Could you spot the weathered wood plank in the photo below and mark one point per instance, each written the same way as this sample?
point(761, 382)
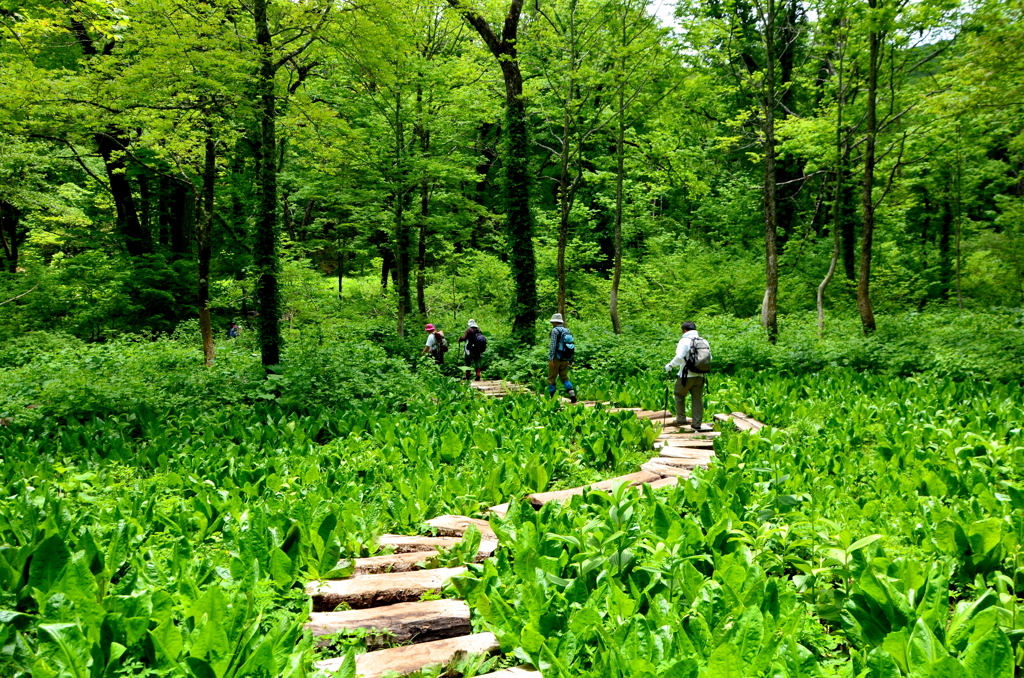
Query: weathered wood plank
point(412, 544)
point(375, 590)
point(500, 510)
point(411, 658)
point(633, 479)
point(688, 443)
point(665, 471)
point(680, 463)
point(664, 482)
point(402, 622)
point(456, 526)
point(703, 456)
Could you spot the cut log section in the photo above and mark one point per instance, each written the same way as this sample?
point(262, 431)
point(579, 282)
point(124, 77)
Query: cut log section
point(456, 526)
point(403, 544)
point(680, 463)
point(684, 452)
point(741, 421)
point(375, 590)
point(407, 562)
point(633, 479)
point(501, 510)
point(664, 482)
point(412, 658)
point(665, 471)
point(687, 442)
point(402, 623)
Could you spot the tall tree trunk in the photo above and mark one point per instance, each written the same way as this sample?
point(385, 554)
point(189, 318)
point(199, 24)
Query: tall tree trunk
point(402, 235)
point(946, 267)
point(265, 241)
point(111, 146)
point(840, 173)
point(518, 217)
point(867, 315)
point(182, 214)
point(423, 132)
point(421, 248)
point(286, 215)
point(620, 154)
point(769, 307)
point(387, 259)
point(341, 265)
point(146, 199)
point(563, 208)
point(9, 216)
point(849, 226)
point(205, 247)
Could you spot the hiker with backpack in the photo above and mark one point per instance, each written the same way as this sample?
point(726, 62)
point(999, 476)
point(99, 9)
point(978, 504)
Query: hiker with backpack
point(693, 358)
point(561, 352)
point(476, 344)
point(436, 345)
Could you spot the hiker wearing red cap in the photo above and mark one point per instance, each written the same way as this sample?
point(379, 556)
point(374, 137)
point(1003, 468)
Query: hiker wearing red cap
point(436, 345)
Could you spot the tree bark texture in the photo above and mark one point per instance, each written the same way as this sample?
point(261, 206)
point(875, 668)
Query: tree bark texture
point(265, 241)
point(867, 315)
point(111, 147)
point(205, 247)
point(518, 217)
point(402, 235)
point(9, 217)
point(769, 307)
point(620, 154)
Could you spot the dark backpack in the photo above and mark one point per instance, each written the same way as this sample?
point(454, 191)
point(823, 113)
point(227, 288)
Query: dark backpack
point(477, 344)
point(565, 349)
point(440, 343)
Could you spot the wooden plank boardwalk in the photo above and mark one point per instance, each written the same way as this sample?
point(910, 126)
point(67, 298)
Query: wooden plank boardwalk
point(385, 592)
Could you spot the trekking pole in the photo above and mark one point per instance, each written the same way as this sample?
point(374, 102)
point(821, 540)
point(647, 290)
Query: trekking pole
point(665, 418)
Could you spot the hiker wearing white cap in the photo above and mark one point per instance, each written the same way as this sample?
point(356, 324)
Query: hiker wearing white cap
point(476, 344)
point(561, 352)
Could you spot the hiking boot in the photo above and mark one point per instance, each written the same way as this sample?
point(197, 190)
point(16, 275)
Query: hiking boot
point(678, 422)
point(572, 396)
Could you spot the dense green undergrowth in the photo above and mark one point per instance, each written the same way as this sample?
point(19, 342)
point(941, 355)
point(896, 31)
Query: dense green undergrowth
point(159, 517)
point(175, 543)
point(880, 534)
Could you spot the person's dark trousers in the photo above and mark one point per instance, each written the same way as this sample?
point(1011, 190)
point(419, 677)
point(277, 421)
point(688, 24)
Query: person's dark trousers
point(695, 387)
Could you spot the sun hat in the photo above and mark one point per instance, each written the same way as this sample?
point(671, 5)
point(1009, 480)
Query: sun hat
point(472, 323)
point(557, 318)
point(429, 328)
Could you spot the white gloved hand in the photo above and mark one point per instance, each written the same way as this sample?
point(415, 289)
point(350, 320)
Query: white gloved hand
point(668, 367)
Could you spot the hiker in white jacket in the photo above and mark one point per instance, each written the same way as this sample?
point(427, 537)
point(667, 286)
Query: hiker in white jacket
point(687, 381)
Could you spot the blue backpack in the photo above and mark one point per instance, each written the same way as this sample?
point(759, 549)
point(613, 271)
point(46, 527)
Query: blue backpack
point(565, 349)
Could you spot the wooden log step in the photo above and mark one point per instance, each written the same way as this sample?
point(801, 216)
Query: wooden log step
point(375, 590)
point(633, 479)
point(750, 422)
point(664, 482)
point(500, 510)
point(687, 443)
point(456, 526)
point(402, 622)
point(514, 672)
point(407, 562)
point(685, 453)
point(665, 471)
point(680, 463)
point(412, 658)
point(405, 544)
point(656, 414)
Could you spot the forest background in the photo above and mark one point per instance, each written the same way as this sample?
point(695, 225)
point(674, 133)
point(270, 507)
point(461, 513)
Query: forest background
point(333, 174)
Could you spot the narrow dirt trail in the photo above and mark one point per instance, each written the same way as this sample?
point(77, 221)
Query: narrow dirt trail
point(385, 591)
